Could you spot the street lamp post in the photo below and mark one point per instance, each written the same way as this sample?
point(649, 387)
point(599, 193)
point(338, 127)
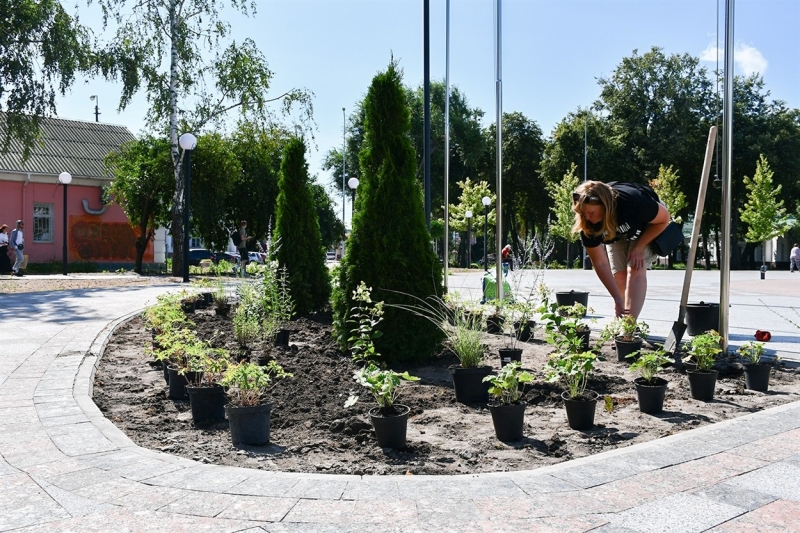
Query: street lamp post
point(188, 142)
point(64, 179)
point(344, 172)
point(352, 183)
point(468, 216)
point(96, 100)
point(485, 201)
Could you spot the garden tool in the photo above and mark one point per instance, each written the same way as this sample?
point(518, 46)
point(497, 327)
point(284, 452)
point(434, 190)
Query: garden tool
point(679, 326)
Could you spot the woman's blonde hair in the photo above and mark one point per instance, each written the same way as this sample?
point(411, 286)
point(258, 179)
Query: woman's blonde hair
point(596, 193)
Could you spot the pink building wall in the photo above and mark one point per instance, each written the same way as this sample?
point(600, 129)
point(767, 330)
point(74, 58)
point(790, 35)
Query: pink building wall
point(108, 237)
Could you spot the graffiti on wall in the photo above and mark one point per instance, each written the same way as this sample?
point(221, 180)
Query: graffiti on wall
point(91, 239)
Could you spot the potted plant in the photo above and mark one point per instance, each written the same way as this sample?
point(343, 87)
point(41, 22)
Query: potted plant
point(650, 389)
point(220, 299)
point(389, 419)
point(206, 393)
point(565, 321)
point(247, 409)
point(463, 332)
point(702, 353)
point(628, 335)
point(508, 409)
point(496, 319)
point(572, 370)
point(756, 373)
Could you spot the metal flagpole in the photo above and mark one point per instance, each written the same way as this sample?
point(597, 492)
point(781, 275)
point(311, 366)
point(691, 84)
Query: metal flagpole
point(498, 16)
point(426, 83)
point(727, 158)
point(447, 142)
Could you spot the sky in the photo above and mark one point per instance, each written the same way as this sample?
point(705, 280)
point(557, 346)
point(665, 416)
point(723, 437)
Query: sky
point(553, 52)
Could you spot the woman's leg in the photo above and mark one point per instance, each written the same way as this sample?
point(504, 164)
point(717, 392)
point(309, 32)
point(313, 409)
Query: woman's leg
point(636, 291)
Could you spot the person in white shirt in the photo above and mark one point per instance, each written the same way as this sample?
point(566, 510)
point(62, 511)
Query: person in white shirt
point(17, 243)
point(794, 259)
point(5, 263)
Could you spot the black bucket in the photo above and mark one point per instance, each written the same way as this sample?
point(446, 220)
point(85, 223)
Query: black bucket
point(701, 317)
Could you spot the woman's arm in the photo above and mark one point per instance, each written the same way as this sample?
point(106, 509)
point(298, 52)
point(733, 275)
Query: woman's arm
point(603, 269)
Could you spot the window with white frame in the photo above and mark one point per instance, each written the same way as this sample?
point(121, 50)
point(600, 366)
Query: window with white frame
point(43, 222)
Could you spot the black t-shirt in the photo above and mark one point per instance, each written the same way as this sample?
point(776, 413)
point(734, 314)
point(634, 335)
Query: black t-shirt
point(637, 206)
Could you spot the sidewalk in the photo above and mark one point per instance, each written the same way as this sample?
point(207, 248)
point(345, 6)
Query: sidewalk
point(64, 467)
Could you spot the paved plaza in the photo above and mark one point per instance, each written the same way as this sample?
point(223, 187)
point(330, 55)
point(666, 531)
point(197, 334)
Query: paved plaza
point(64, 467)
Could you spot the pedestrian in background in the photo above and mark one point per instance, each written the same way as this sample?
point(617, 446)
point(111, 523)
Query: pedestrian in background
point(794, 259)
point(5, 262)
point(242, 247)
point(17, 243)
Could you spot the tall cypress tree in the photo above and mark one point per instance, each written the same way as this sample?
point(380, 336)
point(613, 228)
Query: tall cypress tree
point(390, 247)
point(297, 226)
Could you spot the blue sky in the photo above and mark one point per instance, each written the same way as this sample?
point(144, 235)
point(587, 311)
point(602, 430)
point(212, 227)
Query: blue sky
point(553, 51)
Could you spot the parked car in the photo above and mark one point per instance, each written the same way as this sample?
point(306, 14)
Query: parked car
point(255, 257)
point(231, 257)
point(198, 254)
point(330, 256)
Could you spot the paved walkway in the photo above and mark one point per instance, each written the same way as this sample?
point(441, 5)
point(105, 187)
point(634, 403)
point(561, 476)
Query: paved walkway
point(63, 467)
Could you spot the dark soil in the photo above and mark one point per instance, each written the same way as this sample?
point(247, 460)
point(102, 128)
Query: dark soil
point(312, 431)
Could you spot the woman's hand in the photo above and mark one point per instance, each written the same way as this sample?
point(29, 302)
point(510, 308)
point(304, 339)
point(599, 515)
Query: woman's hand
point(619, 308)
point(636, 257)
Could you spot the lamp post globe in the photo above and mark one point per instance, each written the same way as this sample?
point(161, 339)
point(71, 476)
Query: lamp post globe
point(188, 143)
point(468, 216)
point(485, 201)
point(352, 183)
point(65, 178)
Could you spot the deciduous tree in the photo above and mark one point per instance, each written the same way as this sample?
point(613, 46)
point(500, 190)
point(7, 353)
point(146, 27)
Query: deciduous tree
point(763, 213)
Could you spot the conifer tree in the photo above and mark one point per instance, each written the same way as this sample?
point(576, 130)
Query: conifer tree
point(389, 248)
point(297, 226)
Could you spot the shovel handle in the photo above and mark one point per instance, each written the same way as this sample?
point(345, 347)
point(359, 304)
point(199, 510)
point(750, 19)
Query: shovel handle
point(698, 218)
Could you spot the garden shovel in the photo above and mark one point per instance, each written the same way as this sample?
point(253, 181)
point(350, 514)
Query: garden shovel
point(679, 326)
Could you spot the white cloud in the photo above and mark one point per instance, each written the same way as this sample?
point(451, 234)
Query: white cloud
point(710, 54)
point(748, 60)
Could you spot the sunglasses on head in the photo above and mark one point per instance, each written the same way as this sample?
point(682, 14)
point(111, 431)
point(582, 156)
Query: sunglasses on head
point(576, 197)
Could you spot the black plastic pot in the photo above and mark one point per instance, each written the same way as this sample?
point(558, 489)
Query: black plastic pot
point(165, 368)
point(207, 298)
point(584, 336)
point(625, 348)
point(509, 354)
point(390, 429)
point(525, 332)
point(565, 299)
point(651, 395)
point(494, 324)
point(222, 309)
point(282, 337)
point(468, 384)
point(178, 383)
point(188, 306)
point(249, 425)
point(208, 403)
point(756, 377)
point(702, 384)
point(508, 421)
point(580, 411)
point(701, 317)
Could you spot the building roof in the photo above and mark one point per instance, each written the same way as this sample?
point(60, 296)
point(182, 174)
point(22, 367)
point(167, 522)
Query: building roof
point(73, 146)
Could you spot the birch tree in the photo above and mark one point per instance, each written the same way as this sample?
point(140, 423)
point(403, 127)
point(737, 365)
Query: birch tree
point(180, 54)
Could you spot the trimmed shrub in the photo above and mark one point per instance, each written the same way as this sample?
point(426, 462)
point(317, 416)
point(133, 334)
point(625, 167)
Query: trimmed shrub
point(389, 248)
point(297, 227)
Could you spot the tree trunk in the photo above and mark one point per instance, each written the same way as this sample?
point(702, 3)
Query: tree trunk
point(569, 265)
point(177, 200)
point(705, 251)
